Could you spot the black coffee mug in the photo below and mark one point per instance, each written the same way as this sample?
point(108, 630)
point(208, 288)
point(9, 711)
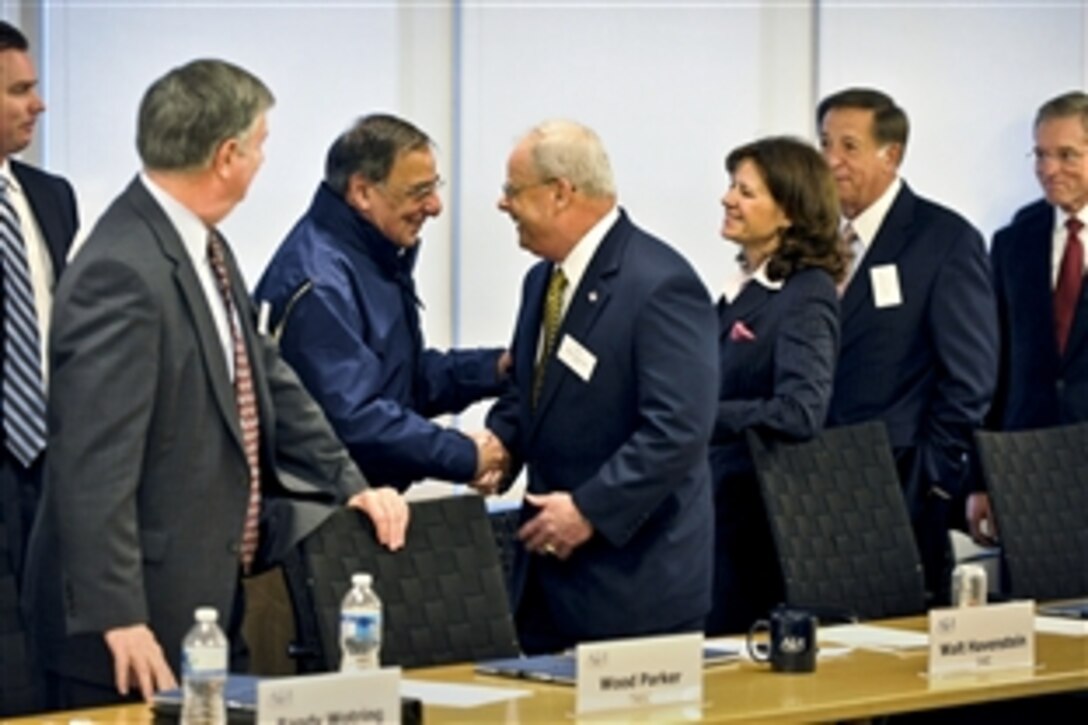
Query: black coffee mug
point(792, 645)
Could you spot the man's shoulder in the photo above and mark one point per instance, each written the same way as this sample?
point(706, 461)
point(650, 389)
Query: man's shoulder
point(32, 175)
point(932, 213)
point(1039, 213)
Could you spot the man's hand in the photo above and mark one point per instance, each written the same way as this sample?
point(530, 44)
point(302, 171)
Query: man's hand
point(558, 528)
point(505, 363)
point(492, 462)
point(387, 509)
point(137, 655)
point(980, 520)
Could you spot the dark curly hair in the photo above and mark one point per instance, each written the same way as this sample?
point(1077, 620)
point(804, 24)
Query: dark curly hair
point(800, 182)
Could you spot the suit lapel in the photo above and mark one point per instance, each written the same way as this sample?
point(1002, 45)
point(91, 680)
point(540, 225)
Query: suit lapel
point(192, 296)
point(587, 302)
point(893, 235)
point(751, 298)
point(46, 214)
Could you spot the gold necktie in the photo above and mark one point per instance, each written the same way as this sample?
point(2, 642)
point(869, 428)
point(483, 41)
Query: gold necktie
point(553, 315)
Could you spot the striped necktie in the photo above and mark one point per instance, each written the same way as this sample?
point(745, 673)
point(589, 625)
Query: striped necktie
point(23, 385)
point(244, 397)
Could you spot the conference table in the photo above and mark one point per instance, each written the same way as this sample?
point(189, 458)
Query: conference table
point(860, 684)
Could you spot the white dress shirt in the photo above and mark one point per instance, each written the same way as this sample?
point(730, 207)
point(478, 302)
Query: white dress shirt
point(194, 237)
point(1060, 236)
point(577, 261)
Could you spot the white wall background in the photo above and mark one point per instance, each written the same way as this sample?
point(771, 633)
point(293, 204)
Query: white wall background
point(671, 87)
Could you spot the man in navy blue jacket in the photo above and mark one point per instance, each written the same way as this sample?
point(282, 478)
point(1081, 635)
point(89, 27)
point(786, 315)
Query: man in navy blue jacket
point(919, 323)
point(615, 380)
point(344, 306)
point(1043, 378)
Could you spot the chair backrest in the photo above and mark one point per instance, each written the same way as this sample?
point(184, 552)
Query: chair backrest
point(1038, 486)
point(840, 523)
point(443, 595)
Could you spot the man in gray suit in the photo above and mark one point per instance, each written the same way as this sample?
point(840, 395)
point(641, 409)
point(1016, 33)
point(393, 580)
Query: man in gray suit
point(173, 423)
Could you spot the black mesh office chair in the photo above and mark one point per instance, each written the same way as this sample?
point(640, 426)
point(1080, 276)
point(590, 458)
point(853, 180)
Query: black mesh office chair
point(840, 524)
point(1038, 485)
point(443, 595)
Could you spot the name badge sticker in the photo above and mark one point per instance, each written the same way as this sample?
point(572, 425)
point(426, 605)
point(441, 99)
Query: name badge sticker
point(576, 357)
point(885, 282)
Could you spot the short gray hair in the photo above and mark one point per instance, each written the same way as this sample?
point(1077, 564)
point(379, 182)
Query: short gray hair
point(185, 115)
point(1067, 105)
point(568, 150)
point(370, 148)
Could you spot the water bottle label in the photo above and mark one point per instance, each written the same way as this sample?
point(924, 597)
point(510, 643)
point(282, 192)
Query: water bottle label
point(360, 626)
point(204, 660)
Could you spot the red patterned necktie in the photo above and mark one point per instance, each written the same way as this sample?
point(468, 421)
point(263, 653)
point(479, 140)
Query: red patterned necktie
point(245, 399)
point(1070, 281)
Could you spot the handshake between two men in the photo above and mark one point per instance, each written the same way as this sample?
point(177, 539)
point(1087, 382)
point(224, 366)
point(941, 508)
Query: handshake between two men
point(557, 528)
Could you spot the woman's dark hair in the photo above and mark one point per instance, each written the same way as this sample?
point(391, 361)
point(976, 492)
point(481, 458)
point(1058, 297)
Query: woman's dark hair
point(800, 182)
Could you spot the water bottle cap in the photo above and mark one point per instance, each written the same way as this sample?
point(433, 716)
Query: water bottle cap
point(361, 579)
point(207, 614)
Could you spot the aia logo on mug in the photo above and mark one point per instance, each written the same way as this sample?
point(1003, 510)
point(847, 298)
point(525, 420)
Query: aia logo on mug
point(793, 644)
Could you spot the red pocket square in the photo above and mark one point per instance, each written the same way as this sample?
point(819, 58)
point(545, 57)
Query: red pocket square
point(740, 332)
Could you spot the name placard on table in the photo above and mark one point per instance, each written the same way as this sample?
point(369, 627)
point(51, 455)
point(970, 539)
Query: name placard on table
point(350, 697)
point(639, 673)
point(990, 638)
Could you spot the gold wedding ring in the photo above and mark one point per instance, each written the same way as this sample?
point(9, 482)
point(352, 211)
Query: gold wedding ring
point(549, 549)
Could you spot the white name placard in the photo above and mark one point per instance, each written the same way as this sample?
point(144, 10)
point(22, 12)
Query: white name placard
point(350, 697)
point(981, 639)
point(639, 673)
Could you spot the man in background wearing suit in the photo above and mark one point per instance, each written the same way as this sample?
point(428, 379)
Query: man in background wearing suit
point(1038, 266)
point(174, 426)
point(345, 310)
point(919, 329)
point(38, 219)
point(615, 374)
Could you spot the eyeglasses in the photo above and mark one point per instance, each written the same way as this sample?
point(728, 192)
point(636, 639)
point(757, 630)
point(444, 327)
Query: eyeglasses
point(420, 192)
point(510, 191)
point(1066, 156)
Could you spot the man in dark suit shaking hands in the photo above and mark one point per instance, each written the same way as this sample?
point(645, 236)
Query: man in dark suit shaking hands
point(1038, 263)
point(615, 371)
point(919, 328)
point(175, 427)
point(38, 221)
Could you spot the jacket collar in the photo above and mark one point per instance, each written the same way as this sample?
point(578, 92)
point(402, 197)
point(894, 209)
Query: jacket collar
point(345, 223)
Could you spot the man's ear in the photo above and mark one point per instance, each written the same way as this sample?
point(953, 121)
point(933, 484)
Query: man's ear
point(892, 153)
point(223, 156)
point(360, 192)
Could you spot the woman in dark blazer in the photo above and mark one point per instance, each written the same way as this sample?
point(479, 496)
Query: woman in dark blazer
point(778, 340)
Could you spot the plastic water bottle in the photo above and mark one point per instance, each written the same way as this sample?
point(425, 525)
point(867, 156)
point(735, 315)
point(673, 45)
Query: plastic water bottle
point(204, 671)
point(360, 627)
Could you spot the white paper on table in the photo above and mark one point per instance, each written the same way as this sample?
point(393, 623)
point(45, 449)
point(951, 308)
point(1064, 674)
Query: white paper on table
point(1062, 625)
point(868, 636)
point(445, 694)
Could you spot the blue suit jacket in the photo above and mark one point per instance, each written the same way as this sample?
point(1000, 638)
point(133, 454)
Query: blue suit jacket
point(1037, 387)
point(629, 443)
point(928, 366)
point(779, 381)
